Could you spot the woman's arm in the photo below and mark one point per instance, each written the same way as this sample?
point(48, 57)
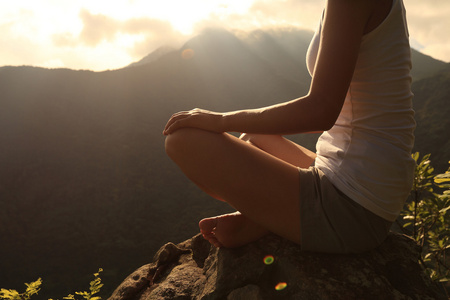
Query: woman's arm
point(343, 27)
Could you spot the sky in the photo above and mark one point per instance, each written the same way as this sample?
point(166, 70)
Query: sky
point(102, 35)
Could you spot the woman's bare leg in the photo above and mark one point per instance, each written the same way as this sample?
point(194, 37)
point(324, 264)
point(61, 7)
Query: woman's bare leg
point(236, 225)
point(263, 188)
point(282, 148)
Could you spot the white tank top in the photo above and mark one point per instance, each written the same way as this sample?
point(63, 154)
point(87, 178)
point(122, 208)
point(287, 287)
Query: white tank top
point(367, 153)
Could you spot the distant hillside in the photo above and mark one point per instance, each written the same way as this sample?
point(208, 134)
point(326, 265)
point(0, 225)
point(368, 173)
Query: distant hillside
point(425, 66)
point(84, 177)
point(432, 106)
point(153, 56)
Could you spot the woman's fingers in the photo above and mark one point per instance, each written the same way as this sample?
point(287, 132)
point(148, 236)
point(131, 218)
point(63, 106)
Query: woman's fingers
point(179, 120)
point(174, 119)
point(197, 118)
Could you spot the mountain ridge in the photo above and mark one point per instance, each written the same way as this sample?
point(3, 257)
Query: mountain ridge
point(295, 43)
point(84, 174)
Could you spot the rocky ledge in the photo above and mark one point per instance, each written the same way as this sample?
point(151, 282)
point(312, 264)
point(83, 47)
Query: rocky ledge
point(273, 268)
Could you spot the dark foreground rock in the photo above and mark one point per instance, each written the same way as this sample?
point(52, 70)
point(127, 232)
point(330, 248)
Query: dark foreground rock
point(273, 268)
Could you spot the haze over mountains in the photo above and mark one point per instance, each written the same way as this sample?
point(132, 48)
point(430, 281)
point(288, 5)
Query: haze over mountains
point(84, 180)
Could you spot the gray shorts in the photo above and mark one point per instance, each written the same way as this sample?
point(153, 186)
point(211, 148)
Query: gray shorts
point(331, 222)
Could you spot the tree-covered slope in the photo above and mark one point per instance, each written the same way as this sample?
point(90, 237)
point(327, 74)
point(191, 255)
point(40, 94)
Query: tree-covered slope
point(432, 106)
point(84, 180)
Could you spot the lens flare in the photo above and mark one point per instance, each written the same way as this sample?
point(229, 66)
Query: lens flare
point(281, 286)
point(187, 54)
point(269, 259)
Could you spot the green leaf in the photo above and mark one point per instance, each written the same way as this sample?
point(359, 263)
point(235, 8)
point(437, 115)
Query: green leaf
point(9, 294)
point(407, 224)
point(444, 210)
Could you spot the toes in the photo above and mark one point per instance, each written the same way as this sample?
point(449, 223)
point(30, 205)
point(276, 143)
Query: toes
point(207, 226)
point(208, 236)
point(213, 241)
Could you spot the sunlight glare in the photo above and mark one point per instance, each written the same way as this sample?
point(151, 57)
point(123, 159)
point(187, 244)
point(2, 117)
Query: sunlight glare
point(183, 15)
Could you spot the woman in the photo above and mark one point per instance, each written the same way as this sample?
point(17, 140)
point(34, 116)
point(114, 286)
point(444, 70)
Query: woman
point(359, 98)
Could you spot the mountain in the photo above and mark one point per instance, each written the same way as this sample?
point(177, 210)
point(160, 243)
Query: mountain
point(83, 169)
point(424, 66)
point(153, 56)
point(84, 177)
point(431, 103)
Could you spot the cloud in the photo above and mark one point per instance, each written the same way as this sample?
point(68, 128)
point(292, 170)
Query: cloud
point(16, 49)
point(268, 14)
point(146, 25)
point(135, 36)
point(97, 28)
point(429, 23)
point(304, 13)
point(64, 39)
point(154, 33)
point(101, 37)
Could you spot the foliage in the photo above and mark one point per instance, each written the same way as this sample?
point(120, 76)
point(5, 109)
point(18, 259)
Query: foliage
point(94, 289)
point(34, 287)
point(425, 216)
point(82, 156)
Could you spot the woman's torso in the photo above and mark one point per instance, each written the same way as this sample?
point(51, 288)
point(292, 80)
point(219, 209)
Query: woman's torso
point(367, 152)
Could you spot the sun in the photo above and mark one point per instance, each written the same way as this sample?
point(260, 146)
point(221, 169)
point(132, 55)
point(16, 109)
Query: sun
point(77, 34)
point(184, 15)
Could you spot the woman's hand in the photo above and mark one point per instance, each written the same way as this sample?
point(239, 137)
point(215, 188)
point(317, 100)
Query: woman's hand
point(195, 118)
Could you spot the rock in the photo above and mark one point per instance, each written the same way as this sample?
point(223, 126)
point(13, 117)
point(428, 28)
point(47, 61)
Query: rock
point(248, 292)
point(273, 268)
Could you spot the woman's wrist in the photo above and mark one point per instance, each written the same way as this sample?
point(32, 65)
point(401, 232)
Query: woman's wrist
point(240, 121)
point(226, 122)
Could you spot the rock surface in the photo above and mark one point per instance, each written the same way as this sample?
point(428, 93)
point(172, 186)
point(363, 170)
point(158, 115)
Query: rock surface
point(273, 268)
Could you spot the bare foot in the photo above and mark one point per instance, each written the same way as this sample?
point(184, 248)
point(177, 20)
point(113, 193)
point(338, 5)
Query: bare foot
point(231, 230)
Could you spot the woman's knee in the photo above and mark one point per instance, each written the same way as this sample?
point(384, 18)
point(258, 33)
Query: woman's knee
point(175, 141)
point(183, 141)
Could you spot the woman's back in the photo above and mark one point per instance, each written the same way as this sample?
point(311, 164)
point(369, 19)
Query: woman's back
point(367, 152)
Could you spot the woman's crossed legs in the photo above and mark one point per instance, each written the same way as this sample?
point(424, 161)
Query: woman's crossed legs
point(262, 186)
